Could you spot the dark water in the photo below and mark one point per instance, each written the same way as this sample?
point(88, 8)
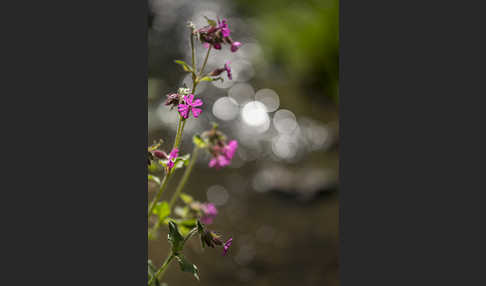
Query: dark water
point(280, 238)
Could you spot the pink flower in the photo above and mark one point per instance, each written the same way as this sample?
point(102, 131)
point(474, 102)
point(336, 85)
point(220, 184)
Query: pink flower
point(228, 69)
point(230, 149)
point(235, 46)
point(219, 162)
point(172, 157)
point(216, 36)
point(190, 105)
point(223, 155)
point(209, 213)
point(227, 245)
point(224, 28)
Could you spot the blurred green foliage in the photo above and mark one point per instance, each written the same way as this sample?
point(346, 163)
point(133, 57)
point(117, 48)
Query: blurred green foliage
point(302, 38)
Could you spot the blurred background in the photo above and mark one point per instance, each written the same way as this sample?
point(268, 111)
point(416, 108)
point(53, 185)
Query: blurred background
point(279, 198)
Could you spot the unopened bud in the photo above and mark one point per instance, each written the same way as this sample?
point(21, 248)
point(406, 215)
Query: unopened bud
point(160, 154)
point(217, 72)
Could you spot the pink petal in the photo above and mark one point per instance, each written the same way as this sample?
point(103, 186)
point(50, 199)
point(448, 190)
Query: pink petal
point(173, 153)
point(223, 161)
point(212, 163)
point(227, 245)
point(226, 32)
point(183, 110)
point(197, 102)
point(196, 112)
point(170, 164)
point(207, 220)
point(189, 99)
point(235, 46)
point(231, 148)
point(206, 45)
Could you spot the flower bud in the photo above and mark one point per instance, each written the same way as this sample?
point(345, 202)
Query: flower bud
point(160, 154)
point(235, 46)
point(217, 72)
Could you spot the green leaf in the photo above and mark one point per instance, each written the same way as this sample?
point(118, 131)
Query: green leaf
point(181, 211)
point(211, 22)
point(198, 141)
point(181, 161)
point(186, 225)
point(155, 146)
point(153, 167)
point(154, 179)
point(206, 78)
point(191, 223)
point(186, 198)
point(184, 230)
point(175, 237)
point(200, 227)
point(185, 66)
point(187, 266)
point(162, 210)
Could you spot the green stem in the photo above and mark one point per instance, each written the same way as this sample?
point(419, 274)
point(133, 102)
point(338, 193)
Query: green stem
point(160, 273)
point(159, 193)
point(205, 61)
point(178, 139)
point(193, 52)
point(184, 179)
point(190, 234)
point(179, 133)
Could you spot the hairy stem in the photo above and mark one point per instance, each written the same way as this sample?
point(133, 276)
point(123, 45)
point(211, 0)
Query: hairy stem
point(184, 179)
point(177, 139)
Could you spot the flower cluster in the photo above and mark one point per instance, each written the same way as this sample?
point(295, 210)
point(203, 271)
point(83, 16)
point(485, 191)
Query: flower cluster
point(171, 158)
point(215, 34)
point(189, 220)
point(222, 153)
point(175, 99)
point(210, 238)
point(154, 152)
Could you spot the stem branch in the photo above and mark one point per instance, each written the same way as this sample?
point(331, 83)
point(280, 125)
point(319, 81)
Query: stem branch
point(160, 273)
